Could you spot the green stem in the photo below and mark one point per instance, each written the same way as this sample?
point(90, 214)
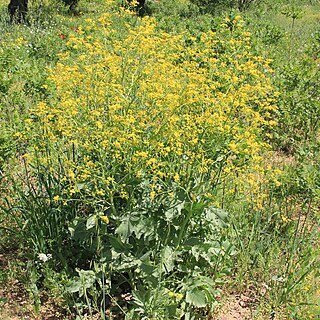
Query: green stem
point(184, 224)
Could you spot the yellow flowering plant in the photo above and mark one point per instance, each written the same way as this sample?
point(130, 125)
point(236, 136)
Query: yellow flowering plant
point(140, 136)
point(139, 155)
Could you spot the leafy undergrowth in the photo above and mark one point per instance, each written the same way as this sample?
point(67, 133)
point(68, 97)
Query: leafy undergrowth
point(148, 169)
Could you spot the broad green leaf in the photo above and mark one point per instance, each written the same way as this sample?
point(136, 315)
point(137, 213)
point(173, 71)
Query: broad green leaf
point(216, 215)
point(91, 222)
point(197, 298)
point(74, 286)
point(87, 278)
point(125, 229)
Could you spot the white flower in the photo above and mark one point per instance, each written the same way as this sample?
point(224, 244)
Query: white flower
point(44, 257)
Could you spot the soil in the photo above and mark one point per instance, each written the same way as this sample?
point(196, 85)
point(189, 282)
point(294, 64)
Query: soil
point(15, 302)
point(235, 308)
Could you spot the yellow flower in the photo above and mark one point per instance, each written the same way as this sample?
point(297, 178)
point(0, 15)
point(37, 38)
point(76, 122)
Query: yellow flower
point(156, 109)
point(153, 195)
point(285, 219)
point(105, 219)
point(172, 294)
point(100, 192)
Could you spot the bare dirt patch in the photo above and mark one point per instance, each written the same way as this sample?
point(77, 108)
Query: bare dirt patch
point(235, 308)
point(15, 302)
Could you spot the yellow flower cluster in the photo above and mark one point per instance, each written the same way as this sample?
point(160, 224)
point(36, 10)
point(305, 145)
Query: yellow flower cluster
point(156, 106)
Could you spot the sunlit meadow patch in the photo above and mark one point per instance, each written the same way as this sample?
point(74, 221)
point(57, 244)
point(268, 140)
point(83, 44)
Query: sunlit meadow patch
point(142, 137)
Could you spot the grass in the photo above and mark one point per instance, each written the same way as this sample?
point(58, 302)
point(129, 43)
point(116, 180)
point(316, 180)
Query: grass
point(151, 167)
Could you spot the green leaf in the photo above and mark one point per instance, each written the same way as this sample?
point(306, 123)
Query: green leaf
point(80, 186)
point(192, 242)
point(91, 222)
point(87, 278)
point(3, 300)
point(172, 310)
point(118, 245)
point(197, 208)
point(168, 258)
point(78, 230)
point(74, 286)
point(125, 229)
point(203, 281)
point(174, 211)
point(197, 298)
point(216, 215)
